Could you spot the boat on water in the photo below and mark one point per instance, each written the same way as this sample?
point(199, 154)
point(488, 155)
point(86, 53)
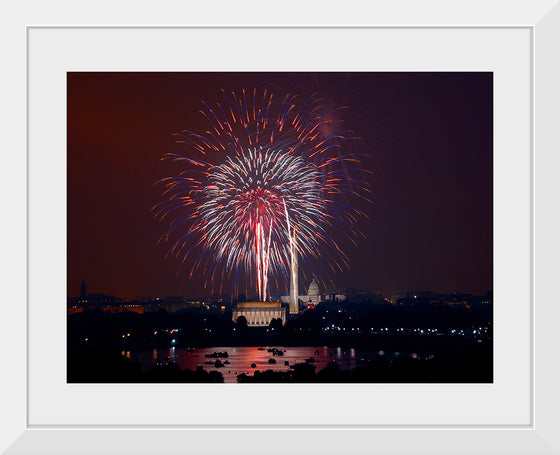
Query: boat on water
point(218, 355)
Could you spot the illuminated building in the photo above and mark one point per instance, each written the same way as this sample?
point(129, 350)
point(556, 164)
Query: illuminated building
point(313, 296)
point(125, 307)
point(72, 309)
point(259, 314)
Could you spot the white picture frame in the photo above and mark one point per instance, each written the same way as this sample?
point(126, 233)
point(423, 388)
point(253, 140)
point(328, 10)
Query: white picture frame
point(21, 433)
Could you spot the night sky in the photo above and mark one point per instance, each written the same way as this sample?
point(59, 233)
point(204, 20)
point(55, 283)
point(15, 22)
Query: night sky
point(429, 141)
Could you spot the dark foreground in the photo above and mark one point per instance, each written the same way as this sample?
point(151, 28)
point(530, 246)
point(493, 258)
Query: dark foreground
point(469, 365)
point(449, 346)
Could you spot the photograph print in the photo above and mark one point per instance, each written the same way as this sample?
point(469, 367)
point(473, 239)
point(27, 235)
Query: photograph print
point(279, 227)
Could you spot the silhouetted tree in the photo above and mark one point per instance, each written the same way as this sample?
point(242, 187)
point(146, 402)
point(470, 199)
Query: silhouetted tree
point(304, 372)
point(332, 373)
point(104, 365)
point(275, 324)
point(241, 323)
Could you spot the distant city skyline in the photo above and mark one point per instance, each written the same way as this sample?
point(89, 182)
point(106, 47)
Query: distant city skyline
point(85, 291)
point(428, 135)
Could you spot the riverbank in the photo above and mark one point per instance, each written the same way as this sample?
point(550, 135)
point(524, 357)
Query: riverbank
point(295, 364)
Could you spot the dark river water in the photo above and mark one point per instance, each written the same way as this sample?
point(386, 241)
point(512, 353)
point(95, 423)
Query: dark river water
point(240, 359)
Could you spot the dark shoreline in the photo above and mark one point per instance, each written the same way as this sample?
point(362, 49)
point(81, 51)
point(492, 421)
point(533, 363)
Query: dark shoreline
point(464, 362)
point(459, 339)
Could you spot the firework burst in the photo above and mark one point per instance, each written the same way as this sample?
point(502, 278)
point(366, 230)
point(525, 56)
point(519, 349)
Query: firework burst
point(281, 173)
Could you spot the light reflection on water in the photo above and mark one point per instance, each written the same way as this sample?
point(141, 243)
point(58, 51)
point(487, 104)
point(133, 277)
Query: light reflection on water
point(240, 359)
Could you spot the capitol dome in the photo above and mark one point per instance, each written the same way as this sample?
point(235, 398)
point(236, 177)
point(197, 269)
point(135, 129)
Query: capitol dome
point(313, 288)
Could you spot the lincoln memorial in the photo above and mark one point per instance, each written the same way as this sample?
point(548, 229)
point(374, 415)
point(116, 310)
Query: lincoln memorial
point(259, 314)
